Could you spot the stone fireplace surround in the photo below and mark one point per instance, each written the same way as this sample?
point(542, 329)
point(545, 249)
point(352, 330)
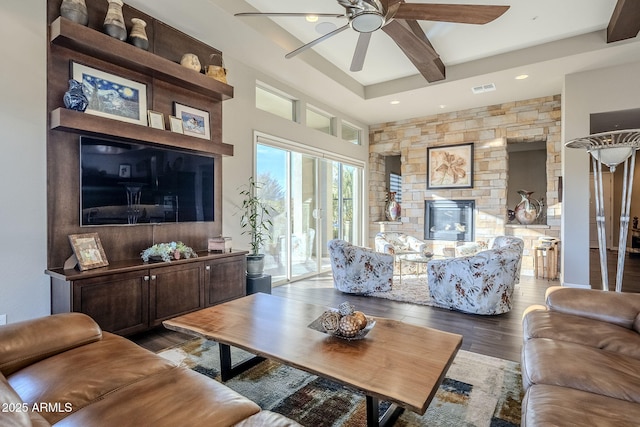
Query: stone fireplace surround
point(490, 128)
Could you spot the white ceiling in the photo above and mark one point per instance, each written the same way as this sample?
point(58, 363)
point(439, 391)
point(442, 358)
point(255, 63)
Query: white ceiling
point(545, 39)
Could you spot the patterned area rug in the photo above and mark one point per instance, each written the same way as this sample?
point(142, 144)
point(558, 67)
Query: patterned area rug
point(477, 391)
point(413, 289)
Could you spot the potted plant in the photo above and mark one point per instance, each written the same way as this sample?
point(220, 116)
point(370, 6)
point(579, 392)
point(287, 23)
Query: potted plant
point(256, 220)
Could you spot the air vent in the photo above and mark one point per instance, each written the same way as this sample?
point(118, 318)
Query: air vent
point(484, 88)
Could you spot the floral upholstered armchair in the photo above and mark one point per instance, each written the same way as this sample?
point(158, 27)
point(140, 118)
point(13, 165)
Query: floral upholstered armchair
point(480, 284)
point(359, 270)
point(398, 243)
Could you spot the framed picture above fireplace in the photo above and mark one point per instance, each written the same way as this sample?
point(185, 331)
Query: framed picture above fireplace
point(450, 166)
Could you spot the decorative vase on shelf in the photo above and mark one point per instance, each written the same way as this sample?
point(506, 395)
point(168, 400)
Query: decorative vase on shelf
point(114, 21)
point(138, 35)
point(74, 98)
point(75, 10)
point(528, 210)
point(392, 209)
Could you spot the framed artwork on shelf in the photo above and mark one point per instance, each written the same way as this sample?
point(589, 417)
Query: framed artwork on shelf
point(175, 123)
point(88, 251)
point(112, 96)
point(194, 122)
point(156, 120)
point(450, 166)
point(124, 171)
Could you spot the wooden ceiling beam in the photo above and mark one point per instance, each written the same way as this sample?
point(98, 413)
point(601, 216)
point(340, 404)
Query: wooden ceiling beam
point(625, 21)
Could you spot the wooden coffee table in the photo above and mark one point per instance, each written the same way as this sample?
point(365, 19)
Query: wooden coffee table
point(396, 362)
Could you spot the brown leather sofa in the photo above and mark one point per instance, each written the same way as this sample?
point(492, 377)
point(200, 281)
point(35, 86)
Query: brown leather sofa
point(73, 374)
point(581, 359)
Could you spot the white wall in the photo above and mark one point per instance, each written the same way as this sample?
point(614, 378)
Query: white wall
point(597, 91)
point(24, 288)
point(241, 119)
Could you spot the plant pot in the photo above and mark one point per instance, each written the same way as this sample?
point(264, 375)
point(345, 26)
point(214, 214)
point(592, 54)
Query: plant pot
point(255, 265)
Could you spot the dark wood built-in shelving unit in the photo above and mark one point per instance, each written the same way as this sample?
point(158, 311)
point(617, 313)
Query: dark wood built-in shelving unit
point(85, 40)
point(87, 124)
point(128, 295)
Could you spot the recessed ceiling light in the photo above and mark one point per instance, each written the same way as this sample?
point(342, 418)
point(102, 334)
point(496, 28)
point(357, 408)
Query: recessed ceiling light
point(395, 102)
point(442, 105)
point(522, 76)
point(325, 27)
point(312, 18)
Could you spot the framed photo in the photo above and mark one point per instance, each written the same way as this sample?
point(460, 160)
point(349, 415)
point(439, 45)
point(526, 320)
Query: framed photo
point(175, 124)
point(112, 96)
point(450, 166)
point(194, 122)
point(156, 120)
point(88, 251)
point(124, 171)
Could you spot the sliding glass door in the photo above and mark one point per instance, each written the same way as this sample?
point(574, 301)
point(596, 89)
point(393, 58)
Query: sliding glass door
point(314, 199)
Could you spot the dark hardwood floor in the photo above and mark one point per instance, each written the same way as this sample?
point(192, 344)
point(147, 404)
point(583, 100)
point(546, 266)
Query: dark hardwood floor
point(499, 336)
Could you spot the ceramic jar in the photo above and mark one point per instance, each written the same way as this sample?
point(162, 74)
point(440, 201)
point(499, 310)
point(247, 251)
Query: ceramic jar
point(114, 21)
point(75, 10)
point(526, 212)
point(392, 209)
point(138, 35)
point(74, 98)
point(192, 61)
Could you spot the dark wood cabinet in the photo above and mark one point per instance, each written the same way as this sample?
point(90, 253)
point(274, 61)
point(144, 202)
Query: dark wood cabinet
point(174, 291)
point(119, 303)
point(130, 297)
point(225, 279)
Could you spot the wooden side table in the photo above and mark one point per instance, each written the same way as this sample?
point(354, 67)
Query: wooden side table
point(545, 261)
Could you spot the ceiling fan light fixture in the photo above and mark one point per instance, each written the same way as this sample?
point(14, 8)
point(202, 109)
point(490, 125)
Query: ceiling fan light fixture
point(367, 21)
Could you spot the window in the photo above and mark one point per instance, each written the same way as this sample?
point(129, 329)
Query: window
point(351, 133)
point(275, 102)
point(319, 120)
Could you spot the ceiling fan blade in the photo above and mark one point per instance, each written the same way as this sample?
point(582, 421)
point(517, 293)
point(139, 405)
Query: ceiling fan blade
point(316, 41)
point(391, 8)
point(459, 13)
point(285, 14)
point(419, 51)
point(624, 23)
point(361, 51)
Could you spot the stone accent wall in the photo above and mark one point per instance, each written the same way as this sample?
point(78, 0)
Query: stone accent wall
point(490, 128)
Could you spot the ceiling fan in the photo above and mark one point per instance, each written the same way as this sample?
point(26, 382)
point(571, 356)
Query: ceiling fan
point(399, 20)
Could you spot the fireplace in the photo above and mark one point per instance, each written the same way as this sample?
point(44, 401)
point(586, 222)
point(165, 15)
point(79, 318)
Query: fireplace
point(449, 220)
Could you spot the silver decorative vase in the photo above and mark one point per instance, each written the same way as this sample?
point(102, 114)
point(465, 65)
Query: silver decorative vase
point(114, 21)
point(255, 265)
point(75, 10)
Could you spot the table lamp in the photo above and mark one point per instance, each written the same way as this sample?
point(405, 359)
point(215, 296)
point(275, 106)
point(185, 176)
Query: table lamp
point(611, 148)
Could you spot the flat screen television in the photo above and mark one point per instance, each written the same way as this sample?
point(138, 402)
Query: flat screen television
point(128, 183)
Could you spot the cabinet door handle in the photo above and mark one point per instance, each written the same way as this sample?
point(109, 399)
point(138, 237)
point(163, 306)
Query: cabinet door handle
point(208, 267)
point(153, 277)
point(146, 278)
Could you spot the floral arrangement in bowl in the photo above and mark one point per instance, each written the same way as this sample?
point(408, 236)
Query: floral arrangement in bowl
point(167, 252)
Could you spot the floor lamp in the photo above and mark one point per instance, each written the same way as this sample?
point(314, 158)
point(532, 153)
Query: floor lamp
point(611, 149)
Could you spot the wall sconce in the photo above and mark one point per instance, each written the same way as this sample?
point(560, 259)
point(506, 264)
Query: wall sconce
point(611, 149)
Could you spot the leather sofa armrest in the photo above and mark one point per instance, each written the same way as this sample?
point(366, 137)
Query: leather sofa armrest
point(620, 308)
point(27, 342)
